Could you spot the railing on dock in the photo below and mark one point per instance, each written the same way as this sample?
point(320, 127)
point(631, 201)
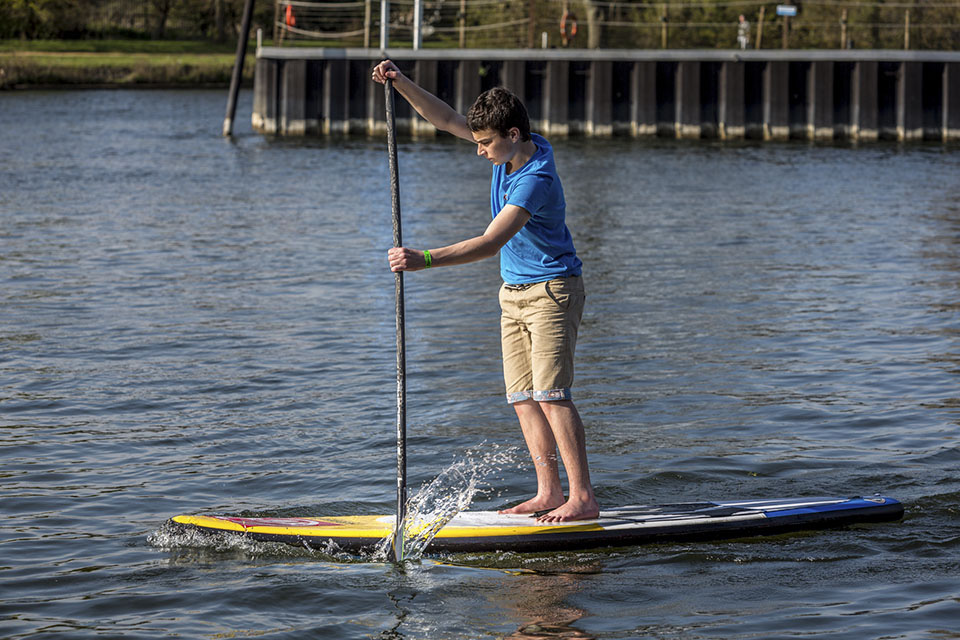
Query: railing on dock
point(769, 95)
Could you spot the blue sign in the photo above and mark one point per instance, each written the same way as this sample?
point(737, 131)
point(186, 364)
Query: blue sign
point(786, 10)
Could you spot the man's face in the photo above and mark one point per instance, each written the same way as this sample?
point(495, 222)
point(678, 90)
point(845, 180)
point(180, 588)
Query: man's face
point(494, 147)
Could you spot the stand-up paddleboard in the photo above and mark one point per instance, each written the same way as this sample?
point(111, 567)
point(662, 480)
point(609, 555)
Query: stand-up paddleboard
point(490, 531)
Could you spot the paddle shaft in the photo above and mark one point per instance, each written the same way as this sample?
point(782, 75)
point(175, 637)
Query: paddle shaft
point(401, 340)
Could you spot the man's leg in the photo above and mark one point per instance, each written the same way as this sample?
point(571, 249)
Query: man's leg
point(567, 431)
point(553, 327)
point(540, 440)
point(538, 340)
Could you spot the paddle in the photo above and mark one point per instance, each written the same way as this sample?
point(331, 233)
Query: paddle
point(401, 348)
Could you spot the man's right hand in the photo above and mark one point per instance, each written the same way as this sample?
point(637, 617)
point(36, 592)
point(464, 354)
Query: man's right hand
point(430, 107)
point(403, 259)
point(385, 70)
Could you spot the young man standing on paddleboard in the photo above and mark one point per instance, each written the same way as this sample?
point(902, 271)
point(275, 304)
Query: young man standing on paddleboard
point(542, 297)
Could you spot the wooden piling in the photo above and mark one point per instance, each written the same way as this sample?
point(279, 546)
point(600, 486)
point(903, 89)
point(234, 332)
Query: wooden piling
point(951, 101)
point(237, 75)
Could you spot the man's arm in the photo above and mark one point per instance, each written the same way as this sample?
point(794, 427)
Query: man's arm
point(433, 109)
point(506, 225)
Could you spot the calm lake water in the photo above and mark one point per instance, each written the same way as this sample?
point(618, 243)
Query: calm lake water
point(191, 324)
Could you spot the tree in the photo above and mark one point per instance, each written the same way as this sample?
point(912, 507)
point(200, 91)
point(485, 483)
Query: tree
point(163, 9)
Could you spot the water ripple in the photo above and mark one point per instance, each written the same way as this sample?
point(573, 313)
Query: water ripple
point(192, 324)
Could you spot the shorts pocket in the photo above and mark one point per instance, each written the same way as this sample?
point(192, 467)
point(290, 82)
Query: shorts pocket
point(561, 292)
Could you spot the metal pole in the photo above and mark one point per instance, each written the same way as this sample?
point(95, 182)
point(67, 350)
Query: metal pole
point(843, 29)
point(384, 25)
point(664, 19)
point(366, 24)
point(401, 341)
point(417, 24)
point(760, 27)
point(906, 29)
point(238, 68)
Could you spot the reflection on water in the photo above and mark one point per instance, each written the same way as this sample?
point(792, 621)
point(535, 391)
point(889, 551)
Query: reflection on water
point(553, 627)
point(542, 604)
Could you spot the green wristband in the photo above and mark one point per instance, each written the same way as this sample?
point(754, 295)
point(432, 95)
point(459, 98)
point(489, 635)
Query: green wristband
point(427, 258)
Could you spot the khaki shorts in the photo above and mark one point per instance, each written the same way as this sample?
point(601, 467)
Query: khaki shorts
point(538, 335)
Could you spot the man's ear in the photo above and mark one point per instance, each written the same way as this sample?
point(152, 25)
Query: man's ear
point(514, 134)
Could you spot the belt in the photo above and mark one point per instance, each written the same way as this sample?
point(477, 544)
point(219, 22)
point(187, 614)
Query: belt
point(527, 285)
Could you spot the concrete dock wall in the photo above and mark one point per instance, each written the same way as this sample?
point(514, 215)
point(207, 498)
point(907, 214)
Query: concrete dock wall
point(770, 95)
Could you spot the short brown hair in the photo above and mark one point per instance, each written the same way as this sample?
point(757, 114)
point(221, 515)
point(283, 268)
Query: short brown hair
point(501, 110)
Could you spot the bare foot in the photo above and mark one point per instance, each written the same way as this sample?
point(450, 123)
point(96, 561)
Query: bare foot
point(570, 510)
point(533, 505)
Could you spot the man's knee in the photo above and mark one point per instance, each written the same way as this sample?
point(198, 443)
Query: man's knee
point(557, 407)
point(525, 407)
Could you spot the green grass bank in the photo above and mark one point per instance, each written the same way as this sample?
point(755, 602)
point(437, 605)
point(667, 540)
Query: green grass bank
point(118, 63)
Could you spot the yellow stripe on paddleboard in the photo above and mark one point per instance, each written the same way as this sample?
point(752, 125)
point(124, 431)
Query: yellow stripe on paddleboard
point(354, 527)
point(381, 527)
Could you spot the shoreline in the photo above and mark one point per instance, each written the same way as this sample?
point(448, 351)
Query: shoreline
point(122, 86)
point(45, 70)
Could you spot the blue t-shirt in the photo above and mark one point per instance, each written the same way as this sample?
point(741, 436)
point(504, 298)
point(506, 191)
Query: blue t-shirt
point(543, 248)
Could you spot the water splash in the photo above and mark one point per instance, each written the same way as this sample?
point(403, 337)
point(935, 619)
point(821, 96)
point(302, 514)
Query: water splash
point(439, 500)
point(190, 545)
